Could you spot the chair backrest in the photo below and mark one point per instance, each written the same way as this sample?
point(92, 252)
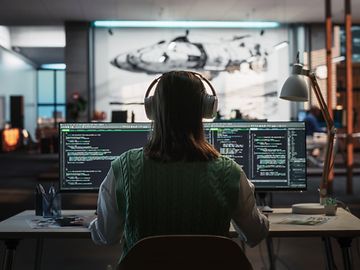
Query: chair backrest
point(185, 252)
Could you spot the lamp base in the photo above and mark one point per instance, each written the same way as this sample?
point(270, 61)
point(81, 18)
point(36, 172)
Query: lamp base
point(308, 208)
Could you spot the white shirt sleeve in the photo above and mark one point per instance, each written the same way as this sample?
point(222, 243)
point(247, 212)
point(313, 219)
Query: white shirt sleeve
point(108, 227)
point(251, 225)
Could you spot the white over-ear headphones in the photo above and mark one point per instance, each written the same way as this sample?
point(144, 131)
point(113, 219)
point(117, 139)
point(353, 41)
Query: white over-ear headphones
point(210, 102)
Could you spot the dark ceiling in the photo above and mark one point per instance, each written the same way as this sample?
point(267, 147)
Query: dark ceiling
point(50, 12)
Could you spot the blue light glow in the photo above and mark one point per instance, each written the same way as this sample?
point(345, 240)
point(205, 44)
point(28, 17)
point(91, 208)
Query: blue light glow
point(54, 66)
point(186, 24)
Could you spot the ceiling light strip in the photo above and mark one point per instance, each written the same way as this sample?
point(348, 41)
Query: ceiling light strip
point(186, 24)
point(57, 66)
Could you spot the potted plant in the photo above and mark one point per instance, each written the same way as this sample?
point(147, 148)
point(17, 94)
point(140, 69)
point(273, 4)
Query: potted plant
point(330, 206)
point(76, 106)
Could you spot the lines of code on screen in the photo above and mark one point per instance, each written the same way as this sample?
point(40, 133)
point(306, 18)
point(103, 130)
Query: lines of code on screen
point(272, 155)
point(87, 152)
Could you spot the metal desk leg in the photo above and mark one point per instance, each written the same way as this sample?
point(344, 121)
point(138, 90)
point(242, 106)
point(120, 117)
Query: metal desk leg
point(38, 253)
point(9, 257)
point(270, 248)
point(330, 264)
point(345, 244)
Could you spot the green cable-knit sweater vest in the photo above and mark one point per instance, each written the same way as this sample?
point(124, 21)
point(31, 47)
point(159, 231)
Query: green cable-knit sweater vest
point(158, 198)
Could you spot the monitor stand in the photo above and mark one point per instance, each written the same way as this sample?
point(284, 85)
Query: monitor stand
point(263, 207)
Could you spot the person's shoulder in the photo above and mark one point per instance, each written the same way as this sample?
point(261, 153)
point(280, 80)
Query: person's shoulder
point(229, 171)
point(225, 160)
point(228, 164)
point(132, 154)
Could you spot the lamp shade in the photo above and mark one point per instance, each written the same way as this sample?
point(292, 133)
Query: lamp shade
point(295, 88)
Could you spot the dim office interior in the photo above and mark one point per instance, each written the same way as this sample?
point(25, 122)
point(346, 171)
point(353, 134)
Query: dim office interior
point(73, 78)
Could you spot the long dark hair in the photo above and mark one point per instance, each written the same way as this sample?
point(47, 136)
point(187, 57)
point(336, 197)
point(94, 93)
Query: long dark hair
point(178, 132)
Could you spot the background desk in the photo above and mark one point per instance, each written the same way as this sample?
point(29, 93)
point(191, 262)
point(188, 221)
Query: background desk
point(16, 228)
point(344, 227)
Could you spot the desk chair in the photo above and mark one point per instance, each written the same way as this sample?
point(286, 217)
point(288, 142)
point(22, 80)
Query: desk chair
point(186, 252)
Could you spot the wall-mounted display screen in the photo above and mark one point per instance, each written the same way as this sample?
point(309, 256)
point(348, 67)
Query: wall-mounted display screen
point(246, 66)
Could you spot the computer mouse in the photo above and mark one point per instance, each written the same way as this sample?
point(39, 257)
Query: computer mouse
point(266, 209)
point(67, 221)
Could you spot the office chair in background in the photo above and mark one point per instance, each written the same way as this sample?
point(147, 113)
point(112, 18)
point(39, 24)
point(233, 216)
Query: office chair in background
point(185, 252)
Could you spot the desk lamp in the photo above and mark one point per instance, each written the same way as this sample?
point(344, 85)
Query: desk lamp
point(295, 88)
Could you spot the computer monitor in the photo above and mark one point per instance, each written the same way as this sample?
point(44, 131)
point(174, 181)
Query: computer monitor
point(87, 149)
point(272, 154)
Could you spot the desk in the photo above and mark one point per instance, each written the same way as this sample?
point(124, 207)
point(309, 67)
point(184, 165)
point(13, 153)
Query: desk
point(344, 228)
point(15, 228)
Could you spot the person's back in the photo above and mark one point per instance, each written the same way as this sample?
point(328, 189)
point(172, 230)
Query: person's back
point(312, 122)
point(178, 183)
point(175, 197)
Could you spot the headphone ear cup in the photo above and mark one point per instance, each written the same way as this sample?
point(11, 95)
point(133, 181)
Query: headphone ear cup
point(210, 106)
point(149, 103)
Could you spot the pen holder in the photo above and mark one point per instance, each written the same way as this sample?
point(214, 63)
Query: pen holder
point(51, 206)
point(330, 210)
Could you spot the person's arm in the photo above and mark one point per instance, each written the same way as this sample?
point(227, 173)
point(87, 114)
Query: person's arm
point(108, 227)
point(252, 225)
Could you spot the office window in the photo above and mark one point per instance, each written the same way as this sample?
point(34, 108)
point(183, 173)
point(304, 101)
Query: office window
point(60, 87)
point(355, 33)
point(51, 97)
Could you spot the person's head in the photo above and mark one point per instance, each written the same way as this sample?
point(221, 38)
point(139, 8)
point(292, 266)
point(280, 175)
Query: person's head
point(315, 111)
point(177, 129)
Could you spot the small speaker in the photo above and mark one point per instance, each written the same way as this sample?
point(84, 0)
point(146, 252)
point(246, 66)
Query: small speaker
point(119, 116)
point(17, 111)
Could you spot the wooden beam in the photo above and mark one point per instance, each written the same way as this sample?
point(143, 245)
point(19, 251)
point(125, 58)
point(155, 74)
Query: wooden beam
point(349, 100)
point(329, 90)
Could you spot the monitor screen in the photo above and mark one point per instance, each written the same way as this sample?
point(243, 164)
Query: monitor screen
point(272, 154)
point(87, 149)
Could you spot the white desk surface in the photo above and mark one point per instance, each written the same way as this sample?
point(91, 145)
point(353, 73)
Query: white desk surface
point(343, 224)
point(17, 227)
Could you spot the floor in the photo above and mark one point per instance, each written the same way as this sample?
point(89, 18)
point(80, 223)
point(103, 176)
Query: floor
point(16, 194)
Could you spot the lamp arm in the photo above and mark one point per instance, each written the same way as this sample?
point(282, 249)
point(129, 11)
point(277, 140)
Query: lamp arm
point(331, 131)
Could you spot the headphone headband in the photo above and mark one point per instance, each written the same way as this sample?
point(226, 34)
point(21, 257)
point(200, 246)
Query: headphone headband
point(192, 72)
point(209, 102)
